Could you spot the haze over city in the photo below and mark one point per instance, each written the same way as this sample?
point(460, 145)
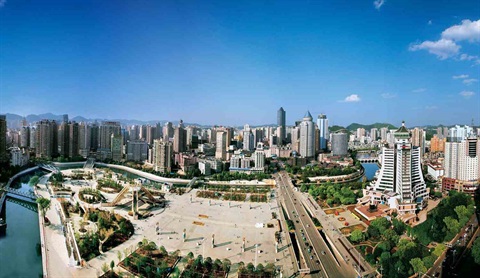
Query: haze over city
point(235, 62)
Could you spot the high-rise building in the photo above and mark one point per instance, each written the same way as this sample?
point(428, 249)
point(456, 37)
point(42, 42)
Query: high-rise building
point(281, 119)
point(33, 140)
point(383, 133)
point(25, 137)
point(150, 134)
point(462, 159)
point(418, 139)
point(137, 150)
point(339, 143)
point(107, 129)
point(63, 137)
point(258, 135)
point(3, 138)
point(84, 139)
point(73, 134)
point(322, 123)
point(180, 138)
point(259, 157)
point(437, 144)
point(94, 138)
point(167, 131)
point(307, 136)
point(401, 173)
point(221, 150)
point(162, 156)
point(462, 165)
point(374, 134)
point(360, 132)
point(459, 133)
point(116, 144)
point(248, 140)
point(46, 139)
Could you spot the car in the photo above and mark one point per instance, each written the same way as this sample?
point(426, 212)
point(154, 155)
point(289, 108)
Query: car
point(323, 252)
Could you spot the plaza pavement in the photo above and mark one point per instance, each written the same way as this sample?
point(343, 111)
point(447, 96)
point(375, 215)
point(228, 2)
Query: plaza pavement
point(230, 222)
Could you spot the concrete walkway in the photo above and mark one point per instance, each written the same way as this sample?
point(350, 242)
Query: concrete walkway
point(57, 255)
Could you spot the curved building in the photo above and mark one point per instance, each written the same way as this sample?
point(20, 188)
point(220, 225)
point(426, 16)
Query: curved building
point(339, 143)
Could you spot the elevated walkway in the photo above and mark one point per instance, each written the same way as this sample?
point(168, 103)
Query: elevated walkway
point(28, 195)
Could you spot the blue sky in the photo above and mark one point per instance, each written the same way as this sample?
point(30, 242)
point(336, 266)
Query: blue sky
point(237, 62)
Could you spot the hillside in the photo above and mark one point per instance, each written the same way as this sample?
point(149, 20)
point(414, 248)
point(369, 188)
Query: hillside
point(354, 126)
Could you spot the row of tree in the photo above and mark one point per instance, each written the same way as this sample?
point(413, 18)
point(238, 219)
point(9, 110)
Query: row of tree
point(335, 193)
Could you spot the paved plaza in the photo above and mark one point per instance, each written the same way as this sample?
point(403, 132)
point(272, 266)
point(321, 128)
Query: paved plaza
point(228, 222)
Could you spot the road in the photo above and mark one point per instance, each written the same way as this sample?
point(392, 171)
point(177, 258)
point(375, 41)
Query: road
point(319, 260)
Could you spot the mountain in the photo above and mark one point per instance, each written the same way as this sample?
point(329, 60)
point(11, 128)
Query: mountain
point(354, 126)
point(335, 128)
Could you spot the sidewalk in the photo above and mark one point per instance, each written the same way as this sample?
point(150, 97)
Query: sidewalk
point(57, 255)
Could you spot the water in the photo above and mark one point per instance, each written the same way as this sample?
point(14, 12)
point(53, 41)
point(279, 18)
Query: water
point(18, 249)
point(370, 169)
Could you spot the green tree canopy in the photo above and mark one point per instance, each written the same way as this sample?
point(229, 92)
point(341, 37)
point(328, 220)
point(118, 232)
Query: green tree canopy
point(418, 266)
point(476, 251)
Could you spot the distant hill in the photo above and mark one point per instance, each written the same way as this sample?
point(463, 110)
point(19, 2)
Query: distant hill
point(335, 128)
point(354, 126)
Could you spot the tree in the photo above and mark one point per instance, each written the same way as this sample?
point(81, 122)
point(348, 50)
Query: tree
point(373, 231)
point(381, 224)
point(104, 267)
point(356, 236)
point(112, 265)
point(33, 181)
point(418, 266)
point(439, 250)
point(44, 204)
point(428, 261)
point(476, 251)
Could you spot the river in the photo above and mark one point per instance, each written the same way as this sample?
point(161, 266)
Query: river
point(18, 248)
point(370, 169)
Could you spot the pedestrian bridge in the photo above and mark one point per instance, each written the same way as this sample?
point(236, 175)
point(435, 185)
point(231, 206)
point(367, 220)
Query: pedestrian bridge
point(49, 167)
point(15, 192)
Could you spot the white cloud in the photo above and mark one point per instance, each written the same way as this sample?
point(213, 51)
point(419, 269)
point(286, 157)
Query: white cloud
point(466, 57)
point(442, 48)
point(430, 22)
point(469, 81)
point(468, 30)
point(388, 95)
point(378, 4)
point(352, 98)
point(448, 44)
point(431, 107)
point(2, 3)
point(419, 90)
point(461, 76)
point(467, 94)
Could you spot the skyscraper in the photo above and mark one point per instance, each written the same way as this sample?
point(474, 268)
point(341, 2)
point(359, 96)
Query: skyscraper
point(418, 139)
point(162, 156)
point(63, 137)
point(307, 136)
point(46, 139)
point(3, 138)
point(116, 147)
point(73, 134)
point(84, 139)
point(167, 131)
point(322, 123)
point(248, 140)
point(221, 150)
point(339, 143)
point(107, 129)
point(281, 118)
point(137, 150)
point(401, 173)
point(180, 138)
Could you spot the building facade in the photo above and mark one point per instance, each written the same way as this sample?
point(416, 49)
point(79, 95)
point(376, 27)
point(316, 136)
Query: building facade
point(307, 136)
